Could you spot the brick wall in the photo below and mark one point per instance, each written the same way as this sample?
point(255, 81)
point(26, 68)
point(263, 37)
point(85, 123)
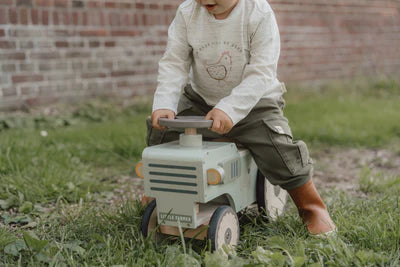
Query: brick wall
point(71, 49)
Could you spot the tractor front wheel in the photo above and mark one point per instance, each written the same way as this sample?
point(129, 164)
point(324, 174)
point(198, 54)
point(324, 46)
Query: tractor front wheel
point(149, 222)
point(223, 228)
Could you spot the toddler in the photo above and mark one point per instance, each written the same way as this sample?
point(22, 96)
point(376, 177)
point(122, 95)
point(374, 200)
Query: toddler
point(224, 54)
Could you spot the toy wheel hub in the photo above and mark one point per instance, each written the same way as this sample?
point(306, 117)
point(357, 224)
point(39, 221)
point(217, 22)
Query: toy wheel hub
point(228, 236)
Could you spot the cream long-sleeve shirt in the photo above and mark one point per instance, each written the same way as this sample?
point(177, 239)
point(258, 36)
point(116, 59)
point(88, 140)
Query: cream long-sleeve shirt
point(230, 63)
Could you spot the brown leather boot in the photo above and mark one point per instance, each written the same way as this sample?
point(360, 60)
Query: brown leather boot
point(312, 209)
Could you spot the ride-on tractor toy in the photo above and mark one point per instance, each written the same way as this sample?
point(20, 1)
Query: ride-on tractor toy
point(198, 185)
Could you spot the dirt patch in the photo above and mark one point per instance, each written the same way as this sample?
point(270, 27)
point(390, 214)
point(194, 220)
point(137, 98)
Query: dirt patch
point(341, 168)
point(131, 188)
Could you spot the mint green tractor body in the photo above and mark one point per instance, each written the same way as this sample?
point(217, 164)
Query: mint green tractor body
point(199, 186)
point(177, 178)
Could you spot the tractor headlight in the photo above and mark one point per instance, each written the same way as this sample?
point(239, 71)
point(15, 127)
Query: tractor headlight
point(139, 169)
point(215, 176)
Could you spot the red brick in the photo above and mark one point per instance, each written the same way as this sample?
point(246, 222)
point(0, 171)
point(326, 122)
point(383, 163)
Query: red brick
point(103, 19)
point(46, 90)
point(45, 17)
point(62, 33)
point(94, 18)
point(77, 54)
point(125, 5)
point(13, 56)
point(137, 20)
point(8, 68)
point(140, 6)
point(35, 16)
point(114, 19)
point(45, 66)
point(94, 44)
point(94, 4)
point(23, 16)
point(9, 91)
point(123, 73)
point(24, 2)
point(124, 33)
point(61, 66)
point(77, 44)
point(77, 66)
point(26, 90)
point(55, 18)
point(2, 33)
point(27, 67)
point(150, 43)
point(61, 44)
point(47, 3)
point(154, 6)
point(93, 75)
point(64, 18)
point(78, 4)
point(7, 45)
point(127, 21)
point(6, 2)
point(61, 3)
point(110, 5)
point(3, 15)
point(108, 65)
point(75, 18)
point(13, 16)
point(147, 19)
point(27, 78)
point(169, 7)
point(109, 43)
point(102, 32)
point(123, 84)
point(84, 19)
point(45, 55)
point(25, 44)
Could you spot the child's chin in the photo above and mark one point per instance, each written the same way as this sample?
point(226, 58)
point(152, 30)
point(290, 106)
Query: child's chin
point(214, 12)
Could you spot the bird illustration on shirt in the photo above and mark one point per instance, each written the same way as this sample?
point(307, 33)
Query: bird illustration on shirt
point(220, 70)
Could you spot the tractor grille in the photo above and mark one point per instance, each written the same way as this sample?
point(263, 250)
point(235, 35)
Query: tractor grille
point(173, 178)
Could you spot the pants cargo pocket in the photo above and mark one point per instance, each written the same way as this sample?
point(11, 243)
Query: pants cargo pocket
point(293, 154)
point(305, 155)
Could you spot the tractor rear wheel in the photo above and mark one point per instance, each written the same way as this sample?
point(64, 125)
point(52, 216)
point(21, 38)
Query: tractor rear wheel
point(271, 199)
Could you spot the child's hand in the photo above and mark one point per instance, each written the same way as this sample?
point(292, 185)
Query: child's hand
point(222, 122)
point(161, 113)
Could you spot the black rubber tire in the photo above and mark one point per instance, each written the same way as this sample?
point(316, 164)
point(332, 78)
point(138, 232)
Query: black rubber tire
point(260, 194)
point(215, 221)
point(146, 217)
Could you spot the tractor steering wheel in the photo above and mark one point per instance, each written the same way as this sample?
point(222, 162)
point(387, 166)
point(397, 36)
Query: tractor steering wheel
point(186, 122)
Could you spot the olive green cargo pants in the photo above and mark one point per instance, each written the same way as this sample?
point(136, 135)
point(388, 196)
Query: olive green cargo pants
point(264, 131)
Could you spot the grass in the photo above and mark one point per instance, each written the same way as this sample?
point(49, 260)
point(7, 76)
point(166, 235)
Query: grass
point(55, 189)
point(356, 114)
point(68, 162)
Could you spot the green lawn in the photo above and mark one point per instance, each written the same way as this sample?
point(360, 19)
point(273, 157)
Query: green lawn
point(55, 188)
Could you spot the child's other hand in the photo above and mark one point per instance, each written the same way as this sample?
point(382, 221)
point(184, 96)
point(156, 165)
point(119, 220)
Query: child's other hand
point(161, 113)
point(222, 122)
